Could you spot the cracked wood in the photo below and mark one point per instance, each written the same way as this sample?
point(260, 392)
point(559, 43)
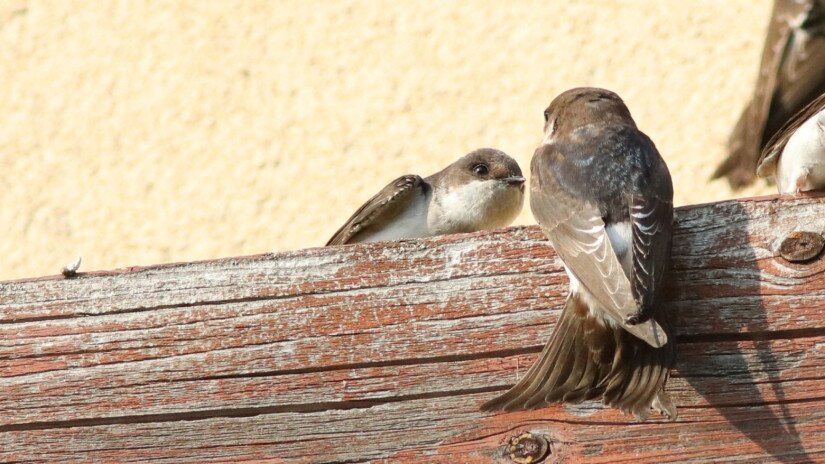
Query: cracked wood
point(385, 351)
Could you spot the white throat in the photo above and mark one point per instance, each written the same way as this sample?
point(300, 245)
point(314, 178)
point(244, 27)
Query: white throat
point(476, 205)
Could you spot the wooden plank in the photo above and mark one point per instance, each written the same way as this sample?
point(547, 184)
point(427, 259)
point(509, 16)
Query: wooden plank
point(384, 351)
point(750, 371)
point(448, 429)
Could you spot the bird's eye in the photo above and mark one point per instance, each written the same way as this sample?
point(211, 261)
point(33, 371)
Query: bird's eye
point(481, 169)
point(546, 116)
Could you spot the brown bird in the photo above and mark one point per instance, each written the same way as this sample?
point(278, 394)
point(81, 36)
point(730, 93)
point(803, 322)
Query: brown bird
point(791, 75)
point(482, 190)
point(795, 156)
point(603, 196)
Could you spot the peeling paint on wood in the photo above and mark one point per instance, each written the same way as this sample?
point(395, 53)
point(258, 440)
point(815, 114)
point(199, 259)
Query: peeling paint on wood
point(385, 351)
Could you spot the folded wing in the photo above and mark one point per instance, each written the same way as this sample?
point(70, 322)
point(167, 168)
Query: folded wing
point(578, 234)
point(384, 206)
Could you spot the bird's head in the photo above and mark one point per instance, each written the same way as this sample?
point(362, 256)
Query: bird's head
point(583, 106)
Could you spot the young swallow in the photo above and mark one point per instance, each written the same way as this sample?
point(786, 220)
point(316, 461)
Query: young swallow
point(795, 156)
point(482, 190)
point(790, 76)
point(603, 196)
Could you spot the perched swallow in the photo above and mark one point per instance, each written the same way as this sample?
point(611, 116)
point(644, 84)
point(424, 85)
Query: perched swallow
point(484, 189)
point(603, 196)
point(795, 156)
point(790, 76)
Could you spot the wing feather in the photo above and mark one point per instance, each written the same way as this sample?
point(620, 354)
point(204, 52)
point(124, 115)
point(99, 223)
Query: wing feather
point(790, 76)
point(385, 205)
point(650, 219)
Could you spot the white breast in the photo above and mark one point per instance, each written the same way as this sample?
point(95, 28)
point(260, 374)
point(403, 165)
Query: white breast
point(801, 165)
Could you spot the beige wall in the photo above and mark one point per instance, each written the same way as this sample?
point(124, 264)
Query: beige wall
point(138, 132)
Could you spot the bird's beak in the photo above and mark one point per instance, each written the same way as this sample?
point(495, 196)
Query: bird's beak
point(514, 180)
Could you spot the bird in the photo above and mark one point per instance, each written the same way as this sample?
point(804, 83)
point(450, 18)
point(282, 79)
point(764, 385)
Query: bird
point(795, 155)
point(790, 76)
point(603, 197)
point(483, 189)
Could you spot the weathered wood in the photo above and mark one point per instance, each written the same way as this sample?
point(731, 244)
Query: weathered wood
point(385, 351)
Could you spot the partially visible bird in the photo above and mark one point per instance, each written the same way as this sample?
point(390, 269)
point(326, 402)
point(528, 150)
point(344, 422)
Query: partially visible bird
point(484, 189)
point(604, 197)
point(791, 75)
point(795, 156)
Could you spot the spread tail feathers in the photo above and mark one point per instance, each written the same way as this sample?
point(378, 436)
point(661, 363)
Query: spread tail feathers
point(587, 359)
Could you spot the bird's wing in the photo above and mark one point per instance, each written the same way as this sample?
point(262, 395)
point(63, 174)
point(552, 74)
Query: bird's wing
point(577, 232)
point(651, 220)
point(774, 147)
point(385, 205)
point(801, 58)
point(790, 76)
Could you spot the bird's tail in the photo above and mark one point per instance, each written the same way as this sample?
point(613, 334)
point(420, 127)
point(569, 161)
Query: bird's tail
point(586, 359)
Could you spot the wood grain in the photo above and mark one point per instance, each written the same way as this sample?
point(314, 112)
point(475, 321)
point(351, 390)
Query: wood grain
point(384, 352)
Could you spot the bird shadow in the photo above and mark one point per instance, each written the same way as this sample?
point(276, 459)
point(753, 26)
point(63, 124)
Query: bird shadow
point(721, 307)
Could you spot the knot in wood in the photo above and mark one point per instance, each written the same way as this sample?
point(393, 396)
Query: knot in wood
point(527, 448)
point(799, 247)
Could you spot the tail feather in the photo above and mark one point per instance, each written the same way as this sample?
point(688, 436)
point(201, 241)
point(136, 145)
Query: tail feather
point(618, 377)
point(580, 365)
point(528, 386)
point(635, 398)
point(557, 367)
point(583, 390)
point(588, 358)
point(557, 375)
point(559, 372)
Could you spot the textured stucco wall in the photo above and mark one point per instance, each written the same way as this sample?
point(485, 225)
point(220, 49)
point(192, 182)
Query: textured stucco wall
point(138, 132)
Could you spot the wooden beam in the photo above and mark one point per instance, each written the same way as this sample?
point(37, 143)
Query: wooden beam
point(385, 351)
